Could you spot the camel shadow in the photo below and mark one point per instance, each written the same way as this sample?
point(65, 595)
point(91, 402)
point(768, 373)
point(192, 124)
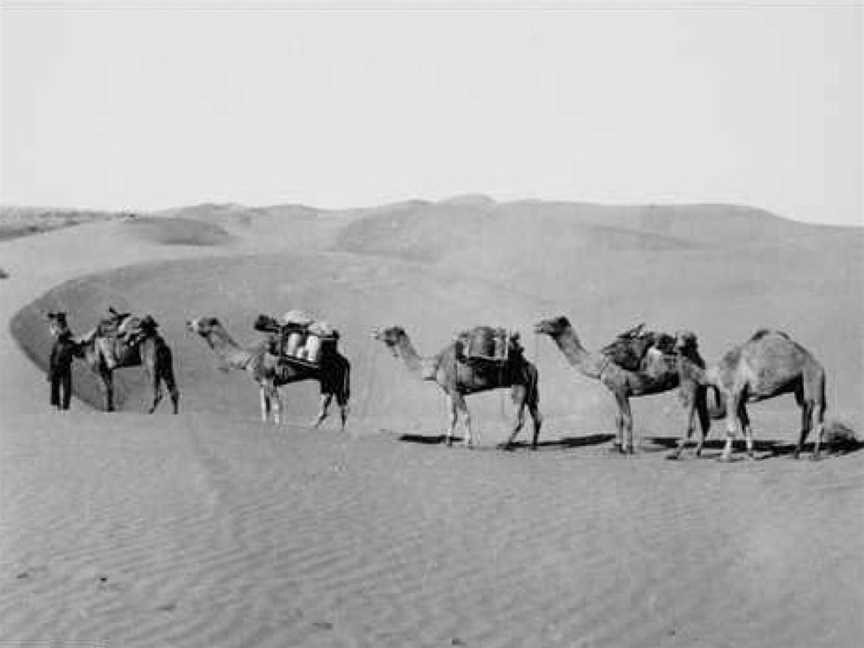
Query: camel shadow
point(769, 447)
point(568, 442)
point(435, 439)
point(562, 443)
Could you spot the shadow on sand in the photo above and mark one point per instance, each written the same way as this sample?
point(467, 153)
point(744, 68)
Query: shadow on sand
point(564, 442)
point(771, 448)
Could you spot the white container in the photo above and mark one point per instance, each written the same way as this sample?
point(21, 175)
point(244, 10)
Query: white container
point(293, 343)
point(313, 348)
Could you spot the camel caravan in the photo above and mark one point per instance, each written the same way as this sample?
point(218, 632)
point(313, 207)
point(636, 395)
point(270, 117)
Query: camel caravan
point(298, 346)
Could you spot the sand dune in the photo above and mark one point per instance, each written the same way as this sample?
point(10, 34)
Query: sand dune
point(211, 529)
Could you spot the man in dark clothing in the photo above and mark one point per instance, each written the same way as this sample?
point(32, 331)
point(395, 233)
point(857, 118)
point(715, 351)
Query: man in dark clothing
point(60, 362)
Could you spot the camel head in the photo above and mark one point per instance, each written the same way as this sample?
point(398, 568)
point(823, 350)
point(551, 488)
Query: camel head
point(553, 326)
point(390, 337)
point(202, 325)
point(686, 343)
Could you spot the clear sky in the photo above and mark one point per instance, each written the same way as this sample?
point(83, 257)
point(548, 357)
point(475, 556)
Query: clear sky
point(144, 106)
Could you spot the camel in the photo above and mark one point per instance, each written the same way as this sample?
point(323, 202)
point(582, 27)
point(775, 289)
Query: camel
point(623, 383)
point(333, 373)
point(767, 365)
point(148, 350)
point(458, 379)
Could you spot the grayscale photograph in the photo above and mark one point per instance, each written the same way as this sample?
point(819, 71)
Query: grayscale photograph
point(471, 323)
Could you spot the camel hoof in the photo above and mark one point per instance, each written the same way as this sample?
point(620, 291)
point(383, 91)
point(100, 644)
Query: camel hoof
point(674, 456)
point(616, 448)
point(815, 457)
point(509, 447)
point(724, 459)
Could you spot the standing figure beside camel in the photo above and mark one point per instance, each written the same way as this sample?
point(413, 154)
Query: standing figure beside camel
point(63, 351)
point(458, 376)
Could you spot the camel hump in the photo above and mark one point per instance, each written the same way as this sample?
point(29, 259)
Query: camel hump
point(761, 333)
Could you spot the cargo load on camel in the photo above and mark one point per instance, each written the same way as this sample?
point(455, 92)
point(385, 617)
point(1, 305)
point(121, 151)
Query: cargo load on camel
point(299, 337)
point(487, 344)
point(630, 348)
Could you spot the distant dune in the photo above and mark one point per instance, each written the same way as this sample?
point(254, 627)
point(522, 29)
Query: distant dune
point(26, 221)
point(177, 231)
point(212, 529)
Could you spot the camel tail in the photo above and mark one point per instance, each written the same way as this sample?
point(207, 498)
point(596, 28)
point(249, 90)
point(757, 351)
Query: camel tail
point(717, 405)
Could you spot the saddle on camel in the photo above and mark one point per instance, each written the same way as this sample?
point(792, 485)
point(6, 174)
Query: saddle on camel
point(487, 349)
point(118, 336)
point(630, 349)
point(299, 338)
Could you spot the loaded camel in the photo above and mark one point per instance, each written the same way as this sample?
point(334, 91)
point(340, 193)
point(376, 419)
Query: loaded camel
point(457, 378)
point(143, 346)
point(623, 383)
point(333, 373)
point(767, 365)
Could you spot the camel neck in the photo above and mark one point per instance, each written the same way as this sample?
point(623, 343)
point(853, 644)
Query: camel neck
point(227, 349)
point(588, 363)
point(689, 369)
point(409, 354)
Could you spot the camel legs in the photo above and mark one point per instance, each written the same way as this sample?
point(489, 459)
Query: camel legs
point(462, 406)
point(107, 388)
point(343, 414)
point(276, 400)
point(157, 396)
point(265, 404)
point(457, 404)
point(737, 412)
point(704, 415)
point(323, 409)
point(810, 409)
point(538, 422)
point(624, 424)
point(451, 402)
point(519, 423)
point(171, 385)
point(745, 423)
point(688, 434)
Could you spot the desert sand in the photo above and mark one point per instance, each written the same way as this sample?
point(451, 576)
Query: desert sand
point(212, 529)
